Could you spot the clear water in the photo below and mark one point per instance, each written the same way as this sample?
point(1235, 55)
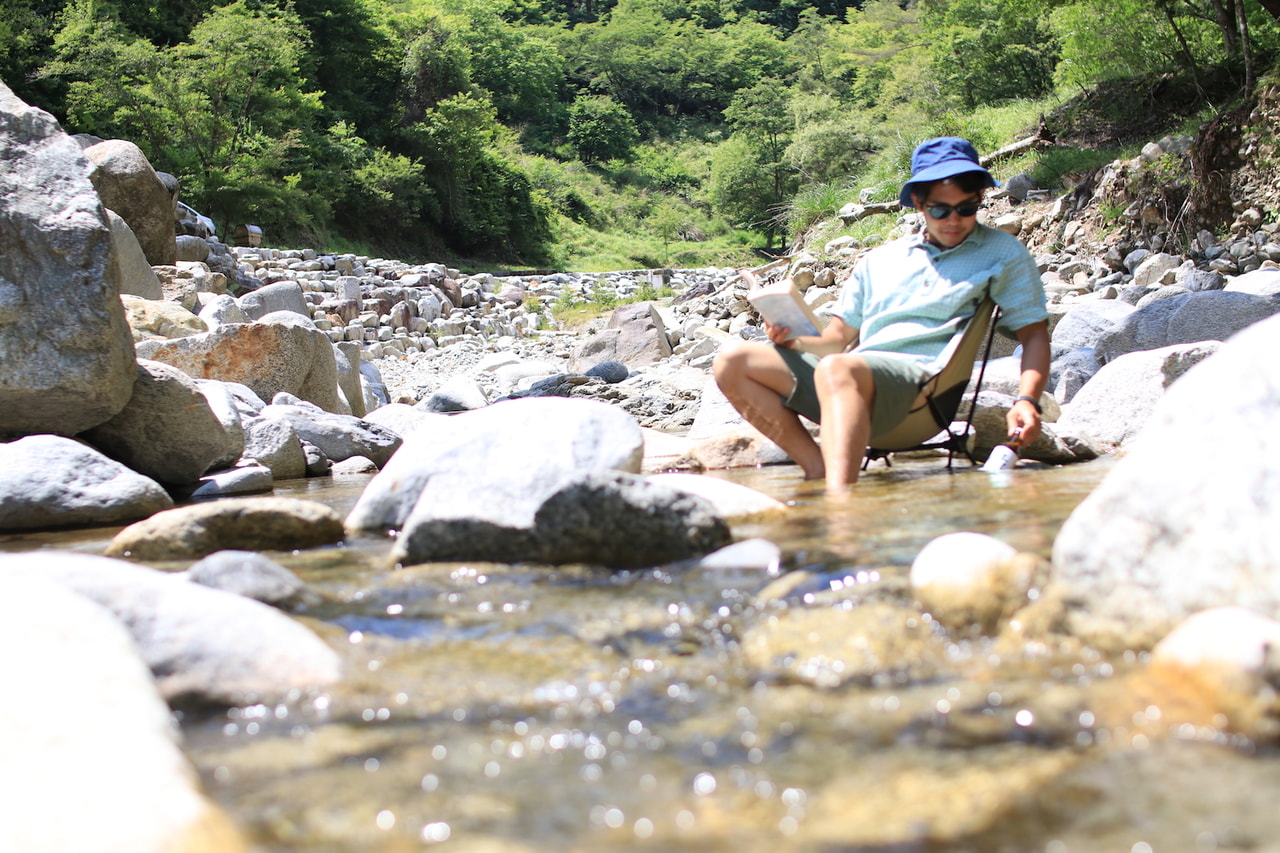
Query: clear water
point(530, 708)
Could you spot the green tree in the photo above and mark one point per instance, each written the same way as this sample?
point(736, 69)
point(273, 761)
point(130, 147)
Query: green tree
point(600, 129)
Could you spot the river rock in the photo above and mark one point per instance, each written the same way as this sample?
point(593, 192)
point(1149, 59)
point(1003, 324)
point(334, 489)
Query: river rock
point(346, 357)
point(127, 184)
point(132, 270)
point(1212, 315)
point(222, 310)
point(972, 581)
point(458, 394)
point(525, 445)
point(1070, 371)
point(160, 319)
point(68, 360)
point(401, 418)
point(226, 407)
point(732, 501)
point(756, 555)
point(51, 481)
point(244, 480)
point(1115, 405)
point(167, 432)
point(281, 296)
point(274, 444)
point(1152, 270)
point(338, 437)
point(251, 575)
point(192, 248)
point(1057, 444)
point(635, 337)
point(1083, 325)
point(266, 357)
point(259, 524)
point(1186, 519)
point(609, 518)
point(201, 644)
point(1263, 282)
point(119, 763)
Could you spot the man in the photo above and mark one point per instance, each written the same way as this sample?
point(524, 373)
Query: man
point(898, 309)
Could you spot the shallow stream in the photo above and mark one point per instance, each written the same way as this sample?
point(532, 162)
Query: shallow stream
point(529, 708)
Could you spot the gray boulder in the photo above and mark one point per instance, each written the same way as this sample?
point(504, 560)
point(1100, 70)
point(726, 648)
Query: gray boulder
point(1070, 371)
point(457, 394)
point(225, 407)
point(167, 432)
point(635, 337)
point(1057, 444)
point(151, 319)
point(202, 644)
point(1116, 404)
point(128, 184)
point(1263, 282)
point(132, 269)
point(243, 480)
point(281, 296)
point(275, 445)
point(1187, 518)
point(338, 437)
point(609, 518)
point(51, 481)
point(222, 310)
point(121, 765)
point(347, 356)
point(192, 248)
point(68, 361)
point(1212, 315)
point(266, 357)
point(252, 575)
point(500, 454)
point(1083, 325)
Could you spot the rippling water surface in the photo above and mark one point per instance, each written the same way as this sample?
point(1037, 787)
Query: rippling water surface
point(530, 708)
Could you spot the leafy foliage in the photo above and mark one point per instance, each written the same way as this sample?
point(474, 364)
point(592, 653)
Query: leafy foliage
point(589, 131)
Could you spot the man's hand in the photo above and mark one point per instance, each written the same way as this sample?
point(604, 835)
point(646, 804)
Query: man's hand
point(1023, 422)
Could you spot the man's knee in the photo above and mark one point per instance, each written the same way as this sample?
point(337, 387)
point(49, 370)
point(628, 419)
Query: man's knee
point(844, 371)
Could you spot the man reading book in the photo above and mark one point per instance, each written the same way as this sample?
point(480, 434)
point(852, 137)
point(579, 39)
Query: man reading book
point(897, 311)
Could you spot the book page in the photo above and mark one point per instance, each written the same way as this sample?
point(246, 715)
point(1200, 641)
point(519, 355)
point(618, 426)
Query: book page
point(782, 305)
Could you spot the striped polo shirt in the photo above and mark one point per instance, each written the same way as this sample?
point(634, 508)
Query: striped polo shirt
point(911, 297)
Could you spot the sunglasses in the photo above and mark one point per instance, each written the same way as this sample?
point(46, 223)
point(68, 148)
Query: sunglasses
point(942, 211)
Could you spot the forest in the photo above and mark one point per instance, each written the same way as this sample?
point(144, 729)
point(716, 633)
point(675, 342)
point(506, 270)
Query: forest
point(597, 134)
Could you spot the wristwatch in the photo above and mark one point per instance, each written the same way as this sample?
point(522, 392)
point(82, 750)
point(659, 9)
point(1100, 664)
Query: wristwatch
point(1035, 404)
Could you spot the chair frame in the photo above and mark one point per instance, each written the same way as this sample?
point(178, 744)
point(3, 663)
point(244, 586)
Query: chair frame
point(934, 409)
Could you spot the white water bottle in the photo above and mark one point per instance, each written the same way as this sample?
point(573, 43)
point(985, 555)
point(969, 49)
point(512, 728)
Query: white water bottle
point(1001, 459)
point(1004, 456)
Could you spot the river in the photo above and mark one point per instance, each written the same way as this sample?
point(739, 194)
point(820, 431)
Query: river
point(529, 708)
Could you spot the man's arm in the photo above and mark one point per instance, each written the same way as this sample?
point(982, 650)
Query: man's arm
point(1024, 415)
point(835, 337)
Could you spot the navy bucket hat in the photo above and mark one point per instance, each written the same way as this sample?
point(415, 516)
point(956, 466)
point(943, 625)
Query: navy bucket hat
point(942, 157)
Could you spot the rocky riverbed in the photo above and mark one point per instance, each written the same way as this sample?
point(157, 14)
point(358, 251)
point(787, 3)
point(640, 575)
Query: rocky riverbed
point(318, 507)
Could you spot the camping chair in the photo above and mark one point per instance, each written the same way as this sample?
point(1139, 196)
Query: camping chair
point(940, 396)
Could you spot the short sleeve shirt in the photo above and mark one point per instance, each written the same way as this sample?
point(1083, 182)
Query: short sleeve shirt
point(910, 297)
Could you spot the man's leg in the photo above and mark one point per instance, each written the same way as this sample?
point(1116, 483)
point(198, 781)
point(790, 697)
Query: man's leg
point(756, 380)
point(846, 389)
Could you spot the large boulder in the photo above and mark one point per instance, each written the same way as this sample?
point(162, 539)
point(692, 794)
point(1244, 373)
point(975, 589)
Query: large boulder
point(1188, 318)
point(67, 354)
point(267, 357)
point(609, 518)
point(1115, 404)
point(635, 337)
point(281, 296)
point(128, 184)
point(202, 645)
point(1083, 325)
point(499, 453)
point(167, 432)
point(1187, 518)
point(52, 481)
point(118, 761)
point(338, 437)
point(152, 319)
point(134, 273)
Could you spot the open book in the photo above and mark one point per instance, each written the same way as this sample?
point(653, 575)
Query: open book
point(780, 304)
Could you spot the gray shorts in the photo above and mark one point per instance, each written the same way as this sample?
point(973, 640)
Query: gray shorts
point(897, 381)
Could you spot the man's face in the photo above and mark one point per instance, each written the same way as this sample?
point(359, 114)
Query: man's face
point(950, 229)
